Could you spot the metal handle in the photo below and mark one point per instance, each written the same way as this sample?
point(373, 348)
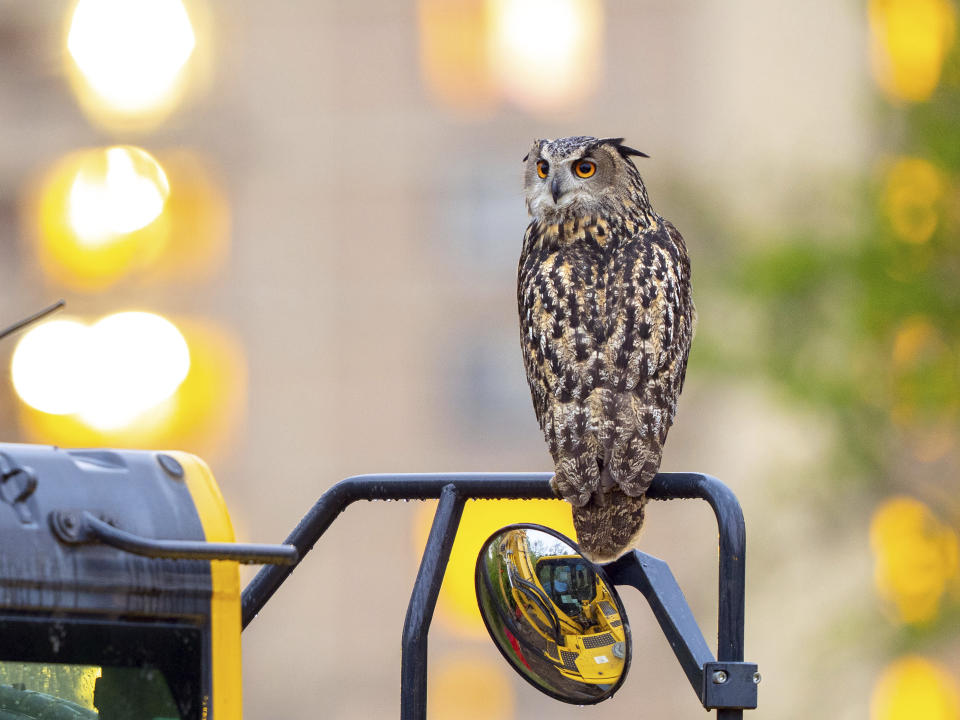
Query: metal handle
point(75, 528)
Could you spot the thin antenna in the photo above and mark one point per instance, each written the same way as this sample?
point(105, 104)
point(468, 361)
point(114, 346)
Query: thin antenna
point(32, 319)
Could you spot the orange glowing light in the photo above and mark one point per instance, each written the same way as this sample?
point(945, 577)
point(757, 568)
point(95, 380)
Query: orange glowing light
point(453, 53)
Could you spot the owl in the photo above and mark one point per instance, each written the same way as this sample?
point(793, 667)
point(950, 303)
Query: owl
point(607, 317)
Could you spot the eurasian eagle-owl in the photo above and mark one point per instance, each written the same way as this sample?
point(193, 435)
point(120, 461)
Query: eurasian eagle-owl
point(607, 317)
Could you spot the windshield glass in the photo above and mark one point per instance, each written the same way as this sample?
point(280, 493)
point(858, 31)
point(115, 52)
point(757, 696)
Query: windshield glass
point(59, 691)
point(71, 669)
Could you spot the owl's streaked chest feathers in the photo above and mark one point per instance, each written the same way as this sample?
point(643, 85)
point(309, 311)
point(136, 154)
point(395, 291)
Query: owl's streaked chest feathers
point(598, 302)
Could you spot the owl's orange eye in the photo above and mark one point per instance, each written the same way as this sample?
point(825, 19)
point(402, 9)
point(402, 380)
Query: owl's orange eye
point(543, 167)
point(585, 168)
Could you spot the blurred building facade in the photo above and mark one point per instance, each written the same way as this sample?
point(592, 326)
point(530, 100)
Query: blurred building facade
point(338, 248)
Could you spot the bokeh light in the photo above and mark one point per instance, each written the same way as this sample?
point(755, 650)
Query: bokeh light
point(470, 686)
point(126, 196)
point(107, 374)
point(546, 53)
point(909, 40)
point(453, 53)
point(198, 217)
point(138, 360)
point(913, 193)
point(915, 559)
point(49, 364)
point(129, 57)
point(914, 688)
point(202, 416)
point(99, 214)
point(541, 55)
point(457, 606)
point(924, 388)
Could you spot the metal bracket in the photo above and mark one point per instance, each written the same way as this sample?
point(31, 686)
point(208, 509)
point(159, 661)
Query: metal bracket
point(83, 527)
point(730, 685)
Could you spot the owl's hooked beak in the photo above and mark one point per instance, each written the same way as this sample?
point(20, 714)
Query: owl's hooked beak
point(555, 189)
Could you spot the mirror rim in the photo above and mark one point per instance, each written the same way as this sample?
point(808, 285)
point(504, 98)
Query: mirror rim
point(603, 576)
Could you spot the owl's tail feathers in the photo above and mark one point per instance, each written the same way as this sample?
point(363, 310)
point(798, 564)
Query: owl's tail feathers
point(609, 524)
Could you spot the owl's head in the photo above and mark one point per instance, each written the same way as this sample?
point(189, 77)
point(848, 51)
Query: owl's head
point(576, 176)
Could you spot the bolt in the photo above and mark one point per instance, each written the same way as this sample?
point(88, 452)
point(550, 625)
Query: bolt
point(68, 521)
point(756, 678)
point(720, 677)
point(170, 464)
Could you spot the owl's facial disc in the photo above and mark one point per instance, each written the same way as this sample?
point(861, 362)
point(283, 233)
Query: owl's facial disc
point(572, 175)
point(567, 182)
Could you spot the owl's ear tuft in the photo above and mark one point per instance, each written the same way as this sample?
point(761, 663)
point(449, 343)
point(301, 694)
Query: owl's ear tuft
point(625, 152)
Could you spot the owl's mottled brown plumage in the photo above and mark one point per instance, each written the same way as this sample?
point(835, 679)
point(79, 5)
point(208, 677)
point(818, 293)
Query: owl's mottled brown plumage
point(607, 317)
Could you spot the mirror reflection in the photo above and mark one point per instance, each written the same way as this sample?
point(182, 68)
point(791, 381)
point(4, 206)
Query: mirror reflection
point(553, 614)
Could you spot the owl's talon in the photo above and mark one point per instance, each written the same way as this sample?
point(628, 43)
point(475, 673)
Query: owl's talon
point(553, 486)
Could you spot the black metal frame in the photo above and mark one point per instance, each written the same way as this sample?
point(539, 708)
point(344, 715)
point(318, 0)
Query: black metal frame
point(727, 684)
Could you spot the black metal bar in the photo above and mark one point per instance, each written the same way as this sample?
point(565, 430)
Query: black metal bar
point(87, 528)
point(32, 319)
point(733, 546)
point(654, 579)
point(426, 486)
point(423, 601)
point(421, 486)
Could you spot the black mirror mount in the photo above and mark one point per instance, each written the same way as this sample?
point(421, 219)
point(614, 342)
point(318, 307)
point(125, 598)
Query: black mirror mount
point(720, 685)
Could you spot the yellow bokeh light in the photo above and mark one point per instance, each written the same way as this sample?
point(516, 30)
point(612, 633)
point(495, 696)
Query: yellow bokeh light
point(457, 606)
point(909, 40)
point(127, 196)
point(138, 361)
point(99, 215)
point(107, 374)
point(198, 215)
point(201, 416)
point(913, 194)
point(48, 366)
point(915, 337)
point(914, 688)
point(469, 686)
point(916, 557)
point(129, 57)
point(545, 54)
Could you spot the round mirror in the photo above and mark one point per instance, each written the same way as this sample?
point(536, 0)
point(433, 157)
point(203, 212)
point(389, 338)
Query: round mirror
point(553, 614)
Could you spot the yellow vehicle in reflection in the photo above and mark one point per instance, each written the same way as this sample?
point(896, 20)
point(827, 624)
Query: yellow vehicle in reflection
point(563, 599)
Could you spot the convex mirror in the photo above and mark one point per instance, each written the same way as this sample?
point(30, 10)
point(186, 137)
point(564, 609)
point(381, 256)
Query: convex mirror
point(553, 614)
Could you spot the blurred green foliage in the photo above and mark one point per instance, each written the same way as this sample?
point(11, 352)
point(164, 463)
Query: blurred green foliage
point(864, 327)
